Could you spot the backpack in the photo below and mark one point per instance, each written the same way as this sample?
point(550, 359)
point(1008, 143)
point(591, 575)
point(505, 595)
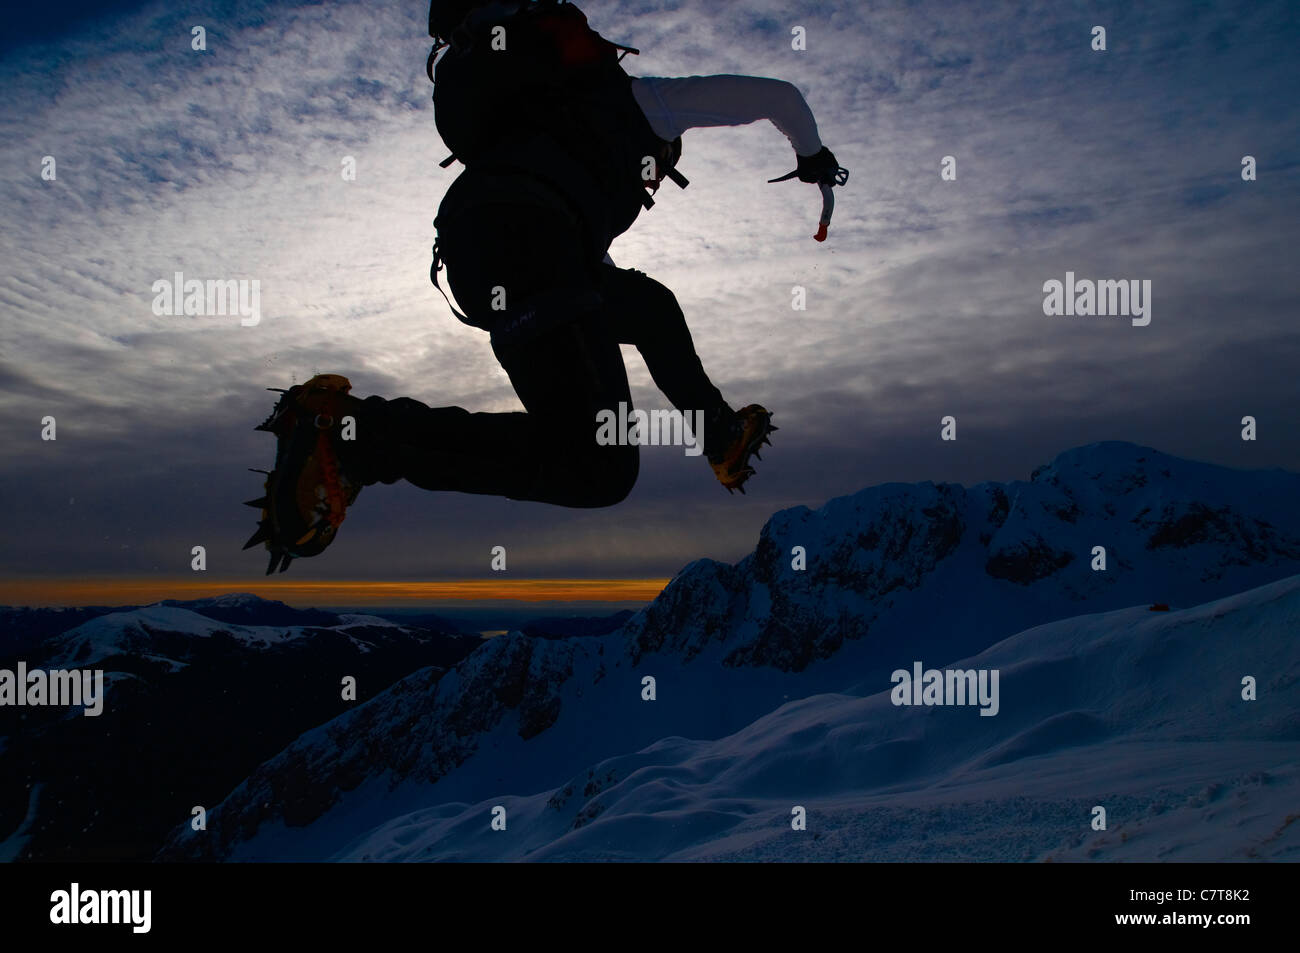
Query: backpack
point(537, 91)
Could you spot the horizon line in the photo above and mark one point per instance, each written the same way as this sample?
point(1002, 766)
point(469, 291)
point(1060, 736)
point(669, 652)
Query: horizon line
point(106, 591)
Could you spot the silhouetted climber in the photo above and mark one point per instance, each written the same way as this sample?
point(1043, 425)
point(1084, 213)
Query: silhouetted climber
point(562, 150)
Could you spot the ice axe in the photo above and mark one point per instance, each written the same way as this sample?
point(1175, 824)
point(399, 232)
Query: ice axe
point(828, 207)
point(839, 177)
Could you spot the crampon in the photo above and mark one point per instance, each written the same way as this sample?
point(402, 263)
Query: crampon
point(309, 491)
point(753, 425)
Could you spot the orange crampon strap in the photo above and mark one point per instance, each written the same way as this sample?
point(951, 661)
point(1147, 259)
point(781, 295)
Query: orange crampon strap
point(333, 487)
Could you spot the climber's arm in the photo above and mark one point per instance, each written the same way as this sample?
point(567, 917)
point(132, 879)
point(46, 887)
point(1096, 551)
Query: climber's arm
point(675, 104)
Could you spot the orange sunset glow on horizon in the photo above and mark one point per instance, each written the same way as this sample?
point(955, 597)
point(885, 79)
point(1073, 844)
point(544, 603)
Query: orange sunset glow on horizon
point(343, 592)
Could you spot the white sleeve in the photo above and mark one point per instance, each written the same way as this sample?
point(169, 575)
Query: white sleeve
point(675, 104)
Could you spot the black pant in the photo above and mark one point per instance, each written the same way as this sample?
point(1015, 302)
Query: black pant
point(559, 343)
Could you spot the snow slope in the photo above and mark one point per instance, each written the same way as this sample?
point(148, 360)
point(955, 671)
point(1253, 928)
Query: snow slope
point(132, 633)
point(1136, 711)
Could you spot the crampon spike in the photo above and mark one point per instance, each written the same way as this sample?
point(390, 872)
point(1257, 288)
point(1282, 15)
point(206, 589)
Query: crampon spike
point(278, 390)
point(285, 565)
point(275, 559)
point(259, 504)
point(260, 536)
point(256, 470)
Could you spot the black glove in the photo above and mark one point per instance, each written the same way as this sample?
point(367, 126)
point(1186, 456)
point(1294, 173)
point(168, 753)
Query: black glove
point(821, 168)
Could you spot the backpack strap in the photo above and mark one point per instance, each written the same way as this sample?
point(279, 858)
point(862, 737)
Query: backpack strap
point(677, 178)
point(433, 276)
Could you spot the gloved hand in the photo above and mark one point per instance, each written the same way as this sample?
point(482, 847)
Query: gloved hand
point(821, 168)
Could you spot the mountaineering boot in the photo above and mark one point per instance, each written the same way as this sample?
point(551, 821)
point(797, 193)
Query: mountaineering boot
point(747, 432)
point(311, 487)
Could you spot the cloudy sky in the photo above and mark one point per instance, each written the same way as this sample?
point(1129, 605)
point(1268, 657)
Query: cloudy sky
point(926, 301)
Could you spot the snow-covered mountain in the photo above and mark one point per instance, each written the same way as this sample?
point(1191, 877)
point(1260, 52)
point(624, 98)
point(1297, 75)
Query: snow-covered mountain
point(168, 632)
point(192, 704)
point(244, 608)
point(1138, 712)
point(894, 574)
